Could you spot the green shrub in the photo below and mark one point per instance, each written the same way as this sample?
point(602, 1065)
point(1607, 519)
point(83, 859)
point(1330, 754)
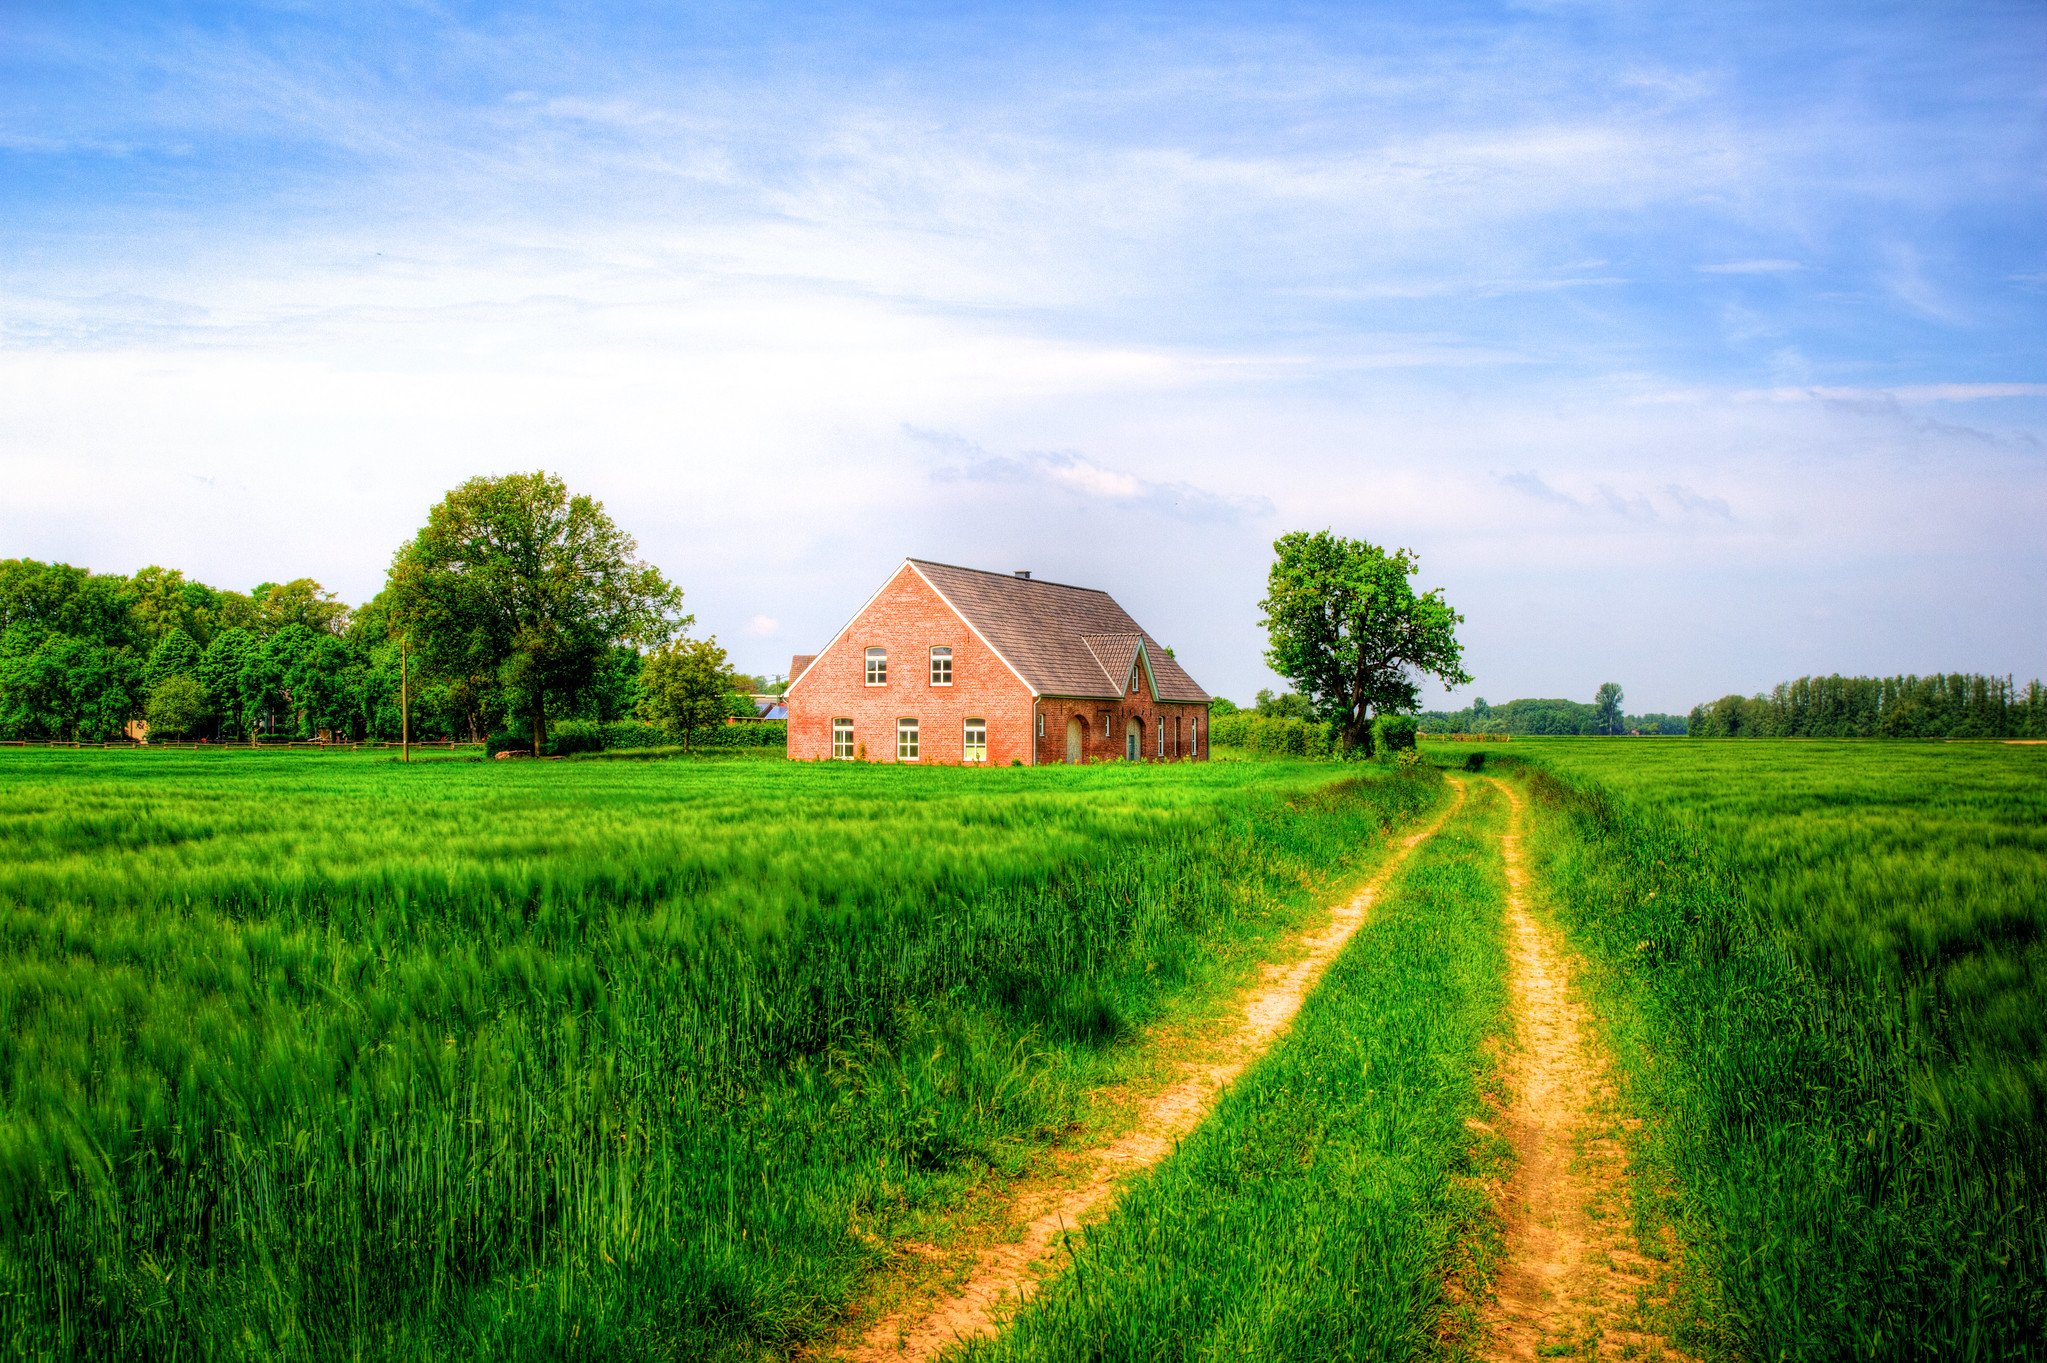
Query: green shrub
point(1272, 736)
point(1392, 734)
point(177, 705)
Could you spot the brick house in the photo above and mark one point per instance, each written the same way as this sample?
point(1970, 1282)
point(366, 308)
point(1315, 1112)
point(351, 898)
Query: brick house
point(948, 665)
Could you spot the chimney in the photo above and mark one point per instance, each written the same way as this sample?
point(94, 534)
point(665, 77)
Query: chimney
point(1024, 573)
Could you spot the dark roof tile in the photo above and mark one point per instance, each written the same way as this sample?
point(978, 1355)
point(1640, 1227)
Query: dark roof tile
point(1063, 641)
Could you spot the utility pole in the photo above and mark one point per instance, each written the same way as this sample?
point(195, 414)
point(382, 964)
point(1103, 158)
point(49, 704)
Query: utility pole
point(404, 703)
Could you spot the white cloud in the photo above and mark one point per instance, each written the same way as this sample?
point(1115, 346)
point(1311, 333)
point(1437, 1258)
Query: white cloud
point(1906, 392)
point(1751, 267)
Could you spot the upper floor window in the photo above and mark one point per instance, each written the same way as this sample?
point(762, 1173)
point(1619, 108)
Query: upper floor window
point(906, 740)
point(842, 739)
point(976, 746)
point(877, 667)
point(941, 667)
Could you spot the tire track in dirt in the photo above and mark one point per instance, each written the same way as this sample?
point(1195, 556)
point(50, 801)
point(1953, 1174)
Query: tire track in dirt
point(1570, 1283)
point(1004, 1275)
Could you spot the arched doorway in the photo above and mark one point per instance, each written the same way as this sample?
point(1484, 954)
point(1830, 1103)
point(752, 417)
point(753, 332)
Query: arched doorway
point(1133, 740)
point(1076, 739)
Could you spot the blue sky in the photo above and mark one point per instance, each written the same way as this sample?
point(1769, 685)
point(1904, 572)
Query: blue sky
point(1693, 348)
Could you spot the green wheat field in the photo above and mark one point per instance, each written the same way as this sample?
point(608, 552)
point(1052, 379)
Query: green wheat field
point(316, 1055)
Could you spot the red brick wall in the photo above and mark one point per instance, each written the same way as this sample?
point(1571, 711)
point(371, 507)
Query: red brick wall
point(908, 619)
point(1107, 721)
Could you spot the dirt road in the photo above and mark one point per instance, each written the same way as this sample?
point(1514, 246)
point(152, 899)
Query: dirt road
point(1572, 1284)
point(1003, 1275)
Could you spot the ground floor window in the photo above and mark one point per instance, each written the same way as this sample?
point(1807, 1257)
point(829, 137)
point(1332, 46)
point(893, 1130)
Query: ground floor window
point(842, 739)
point(1194, 738)
point(976, 747)
point(906, 740)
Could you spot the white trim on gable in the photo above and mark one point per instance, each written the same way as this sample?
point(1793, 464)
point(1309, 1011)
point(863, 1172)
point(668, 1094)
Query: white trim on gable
point(1142, 658)
point(843, 629)
point(911, 564)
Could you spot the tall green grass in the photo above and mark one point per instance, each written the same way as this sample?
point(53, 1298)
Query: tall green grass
point(1838, 952)
point(317, 1055)
point(1320, 1211)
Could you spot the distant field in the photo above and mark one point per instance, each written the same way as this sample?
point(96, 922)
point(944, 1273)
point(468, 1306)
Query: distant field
point(1839, 950)
point(312, 1055)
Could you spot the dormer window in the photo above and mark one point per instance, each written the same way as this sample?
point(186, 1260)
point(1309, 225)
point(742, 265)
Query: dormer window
point(941, 667)
point(877, 667)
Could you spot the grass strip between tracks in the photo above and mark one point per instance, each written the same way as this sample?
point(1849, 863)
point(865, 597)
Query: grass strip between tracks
point(1337, 1195)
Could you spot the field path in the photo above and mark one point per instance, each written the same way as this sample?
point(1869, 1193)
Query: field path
point(1004, 1275)
point(1571, 1282)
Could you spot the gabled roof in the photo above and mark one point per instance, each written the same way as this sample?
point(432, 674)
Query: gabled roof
point(800, 664)
point(1061, 640)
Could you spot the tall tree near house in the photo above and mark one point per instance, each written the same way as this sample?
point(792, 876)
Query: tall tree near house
point(1606, 708)
point(686, 687)
point(514, 576)
point(1349, 631)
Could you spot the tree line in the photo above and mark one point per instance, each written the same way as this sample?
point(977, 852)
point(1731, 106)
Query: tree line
point(1536, 717)
point(516, 605)
point(1946, 705)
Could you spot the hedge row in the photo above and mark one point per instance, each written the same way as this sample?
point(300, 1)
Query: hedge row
point(1275, 736)
point(586, 735)
point(1272, 736)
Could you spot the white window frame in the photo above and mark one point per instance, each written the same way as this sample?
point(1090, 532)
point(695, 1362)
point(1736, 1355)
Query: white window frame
point(1041, 724)
point(1194, 738)
point(842, 728)
point(877, 666)
point(909, 741)
point(1162, 737)
point(941, 653)
point(970, 751)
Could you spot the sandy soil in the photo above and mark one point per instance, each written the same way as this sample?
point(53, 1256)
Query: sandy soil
point(1572, 1283)
point(1003, 1275)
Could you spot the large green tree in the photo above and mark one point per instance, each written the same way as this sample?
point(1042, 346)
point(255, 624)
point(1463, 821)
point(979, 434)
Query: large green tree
point(1348, 629)
point(516, 577)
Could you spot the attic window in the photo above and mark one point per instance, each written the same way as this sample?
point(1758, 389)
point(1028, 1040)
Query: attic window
point(877, 667)
point(941, 667)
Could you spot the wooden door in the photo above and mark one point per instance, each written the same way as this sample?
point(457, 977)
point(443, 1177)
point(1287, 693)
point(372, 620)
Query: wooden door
point(1076, 739)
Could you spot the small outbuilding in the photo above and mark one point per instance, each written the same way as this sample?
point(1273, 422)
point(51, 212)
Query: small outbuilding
point(957, 665)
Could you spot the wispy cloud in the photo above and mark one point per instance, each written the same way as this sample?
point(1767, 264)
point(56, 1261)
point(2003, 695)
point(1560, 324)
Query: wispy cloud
point(1697, 503)
point(1905, 392)
point(1084, 480)
point(1751, 267)
point(1530, 484)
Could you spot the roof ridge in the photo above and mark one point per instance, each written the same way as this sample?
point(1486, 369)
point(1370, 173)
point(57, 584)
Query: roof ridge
point(1008, 577)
